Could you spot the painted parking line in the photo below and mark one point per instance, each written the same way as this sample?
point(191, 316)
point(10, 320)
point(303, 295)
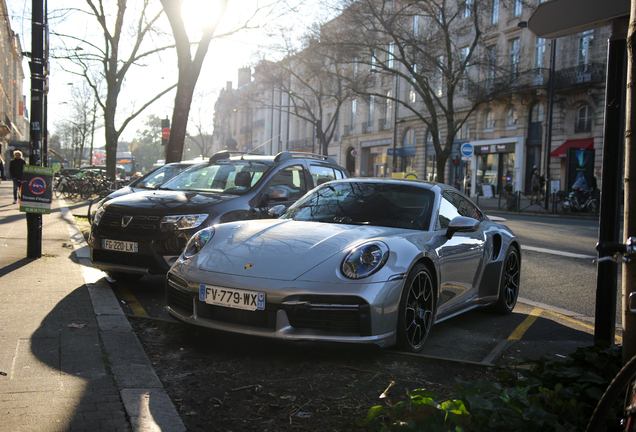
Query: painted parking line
point(131, 301)
point(518, 333)
point(559, 253)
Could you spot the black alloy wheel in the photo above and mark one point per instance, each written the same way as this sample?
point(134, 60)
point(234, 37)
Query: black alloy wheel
point(416, 311)
point(509, 290)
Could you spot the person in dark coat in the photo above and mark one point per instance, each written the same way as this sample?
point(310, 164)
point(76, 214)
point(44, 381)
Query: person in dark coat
point(15, 169)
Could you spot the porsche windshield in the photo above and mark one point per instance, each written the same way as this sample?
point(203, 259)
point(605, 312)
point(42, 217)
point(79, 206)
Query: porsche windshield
point(367, 203)
point(230, 177)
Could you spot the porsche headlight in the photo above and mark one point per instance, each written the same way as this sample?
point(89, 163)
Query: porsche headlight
point(184, 221)
point(98, 215)
point(197, 241)
point(364, 260)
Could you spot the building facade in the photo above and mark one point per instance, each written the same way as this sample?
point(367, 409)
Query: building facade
point(496, 149)
point(13, 110)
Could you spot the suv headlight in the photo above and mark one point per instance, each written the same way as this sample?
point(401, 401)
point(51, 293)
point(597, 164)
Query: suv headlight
point(98, 215)
point(197, 241)
point(364, 260)
point(184, 221)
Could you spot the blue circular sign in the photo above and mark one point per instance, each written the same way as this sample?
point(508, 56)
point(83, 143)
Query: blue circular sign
point(467, 149)
point(37, 186)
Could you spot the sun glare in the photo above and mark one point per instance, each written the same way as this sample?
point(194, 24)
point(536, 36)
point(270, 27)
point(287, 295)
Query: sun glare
point(198, 14)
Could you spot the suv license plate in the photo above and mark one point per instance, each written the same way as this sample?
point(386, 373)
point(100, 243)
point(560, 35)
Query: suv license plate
point(233, 298)
point(121, 246)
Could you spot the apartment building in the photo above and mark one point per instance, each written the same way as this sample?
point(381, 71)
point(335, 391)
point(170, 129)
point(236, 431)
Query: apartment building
point(14, 125)
point(501, 107)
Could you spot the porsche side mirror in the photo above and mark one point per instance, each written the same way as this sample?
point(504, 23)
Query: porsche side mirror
point(462, 224)
point(276, 211)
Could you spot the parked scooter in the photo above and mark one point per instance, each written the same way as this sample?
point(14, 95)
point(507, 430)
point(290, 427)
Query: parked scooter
point(580, 200)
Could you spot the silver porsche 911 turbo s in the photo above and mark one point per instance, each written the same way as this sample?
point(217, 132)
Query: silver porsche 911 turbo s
point(355, 260)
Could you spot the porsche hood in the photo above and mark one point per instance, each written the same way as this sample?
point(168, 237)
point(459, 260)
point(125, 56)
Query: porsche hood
point(279, 249)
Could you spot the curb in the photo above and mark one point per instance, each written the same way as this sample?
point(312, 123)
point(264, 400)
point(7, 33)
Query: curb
point(147, 404)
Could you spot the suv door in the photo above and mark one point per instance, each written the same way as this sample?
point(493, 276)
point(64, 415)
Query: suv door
point(286, 186)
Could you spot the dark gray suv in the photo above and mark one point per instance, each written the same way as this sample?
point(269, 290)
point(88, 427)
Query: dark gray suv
point(145, 232)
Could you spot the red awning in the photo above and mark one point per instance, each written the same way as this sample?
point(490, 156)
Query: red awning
point(561, 151)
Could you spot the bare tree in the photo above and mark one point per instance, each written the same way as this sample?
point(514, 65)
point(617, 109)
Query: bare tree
point(123, 48)
point(190, 68)
point(432, 46)
point(312, 80)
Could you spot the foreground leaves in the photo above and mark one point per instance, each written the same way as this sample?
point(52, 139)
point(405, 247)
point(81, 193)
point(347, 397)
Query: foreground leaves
point(532, 395)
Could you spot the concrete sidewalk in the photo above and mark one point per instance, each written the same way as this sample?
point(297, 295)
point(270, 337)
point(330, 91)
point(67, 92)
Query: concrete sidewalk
point(69, 359)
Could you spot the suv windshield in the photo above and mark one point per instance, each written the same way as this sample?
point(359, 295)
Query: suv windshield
point(159, 176)
point(365, 203)
point(231, 177)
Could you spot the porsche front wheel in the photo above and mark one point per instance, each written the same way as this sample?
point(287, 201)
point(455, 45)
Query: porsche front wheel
point(416, 311)
point(509, 290)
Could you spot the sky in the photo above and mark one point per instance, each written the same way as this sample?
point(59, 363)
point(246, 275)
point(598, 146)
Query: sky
point(224, 58)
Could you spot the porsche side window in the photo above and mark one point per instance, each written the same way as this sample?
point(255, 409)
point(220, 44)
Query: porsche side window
point(466, 208)
point(291, 179)
point(447, 211)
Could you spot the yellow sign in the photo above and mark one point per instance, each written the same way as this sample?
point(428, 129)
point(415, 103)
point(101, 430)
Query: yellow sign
point(403, 175)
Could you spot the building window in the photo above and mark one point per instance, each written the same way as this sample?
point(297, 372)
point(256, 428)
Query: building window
point(516, 8)
point(583, 120)
point(539, 52)
point(467, 9)
point(353, 113)
point(463, 81)
point(491, 66)
point(494, 12)
point(462, 133)
point(513, 56)
point(489, 120)
point(586, 42)
point(355, 67)
point(412, 94)
point(511, 117)
point(371, 108)
point(416, 26)
point(438, 75)
point(538, 113)
point(388, 114)
point(390, 55)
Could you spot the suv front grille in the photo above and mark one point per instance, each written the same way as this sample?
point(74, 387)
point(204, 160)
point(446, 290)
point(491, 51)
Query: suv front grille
point(112, 220)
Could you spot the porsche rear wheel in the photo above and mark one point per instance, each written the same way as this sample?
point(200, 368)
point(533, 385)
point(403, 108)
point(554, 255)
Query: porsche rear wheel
point(509, 290)
point(416, 311)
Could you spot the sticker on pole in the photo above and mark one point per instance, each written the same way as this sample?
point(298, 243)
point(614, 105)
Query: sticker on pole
point(36, 190)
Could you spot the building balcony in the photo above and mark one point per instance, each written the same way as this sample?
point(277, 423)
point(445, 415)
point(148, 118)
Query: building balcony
point(384, 124)
point(5, 127)
point(593, 73)
point(258, 123)
point(511, 83)
point(300, 143)
point(348, 130)
point(367, 127)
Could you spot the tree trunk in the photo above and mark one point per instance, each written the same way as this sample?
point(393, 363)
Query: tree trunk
point(629, 269)
point(182, 103)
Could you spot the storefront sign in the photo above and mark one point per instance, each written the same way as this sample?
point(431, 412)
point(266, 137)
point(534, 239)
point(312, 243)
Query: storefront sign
point(495, 148)
point(36, 191)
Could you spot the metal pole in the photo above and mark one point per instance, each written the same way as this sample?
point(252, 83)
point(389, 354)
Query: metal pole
point(612, 176)
point(548, 140)
point(37, 66)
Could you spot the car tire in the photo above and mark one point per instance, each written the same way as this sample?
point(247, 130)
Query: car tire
point(417, 309)
point(509, 288)
point(125, 277)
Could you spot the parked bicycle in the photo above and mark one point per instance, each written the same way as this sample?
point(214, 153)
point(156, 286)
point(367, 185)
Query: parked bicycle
point(581, 201)
point(624, 383)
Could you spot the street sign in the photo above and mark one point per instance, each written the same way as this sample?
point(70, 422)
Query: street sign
point(36, 189)
point(467, 149)
point(165, 133)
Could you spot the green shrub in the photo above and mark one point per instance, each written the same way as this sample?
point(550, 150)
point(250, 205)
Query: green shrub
point(531, 395)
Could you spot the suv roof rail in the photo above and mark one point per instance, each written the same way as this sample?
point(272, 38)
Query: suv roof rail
point(286, 155)
point(225, 154)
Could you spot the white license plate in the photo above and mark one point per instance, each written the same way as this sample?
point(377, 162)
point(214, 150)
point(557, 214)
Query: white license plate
point(234, 298)
point(121, 246)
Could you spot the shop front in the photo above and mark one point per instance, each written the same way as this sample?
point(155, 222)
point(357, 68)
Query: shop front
point(374, 158)
point(497, 166)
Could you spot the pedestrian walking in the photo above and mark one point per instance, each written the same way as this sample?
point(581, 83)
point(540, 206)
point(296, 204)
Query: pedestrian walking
point(2, 177)
point(15, 169)
point(535, 184)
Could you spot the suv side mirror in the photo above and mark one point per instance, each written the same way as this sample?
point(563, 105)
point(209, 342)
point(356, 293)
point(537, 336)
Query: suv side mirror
point(279, 194)
point(461, 224)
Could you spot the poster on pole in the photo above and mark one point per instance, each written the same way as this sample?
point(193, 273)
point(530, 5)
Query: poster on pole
point(36, 190)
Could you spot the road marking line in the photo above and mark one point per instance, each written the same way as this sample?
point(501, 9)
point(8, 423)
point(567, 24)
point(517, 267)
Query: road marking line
point(132, 302)
point(619, 338)
point(525, 325)
point(560, 253)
